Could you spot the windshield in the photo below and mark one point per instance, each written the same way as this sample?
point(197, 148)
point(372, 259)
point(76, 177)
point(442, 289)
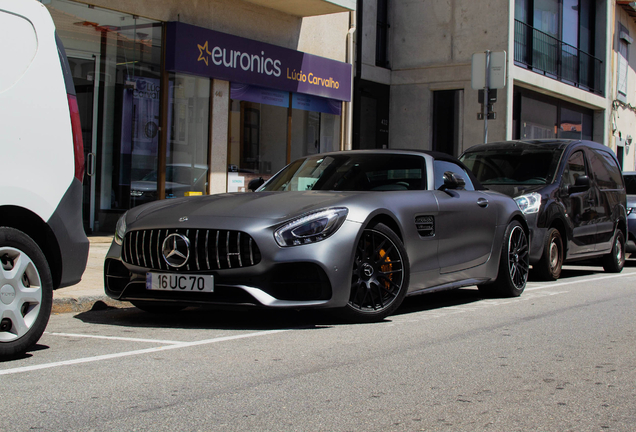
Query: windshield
point(514, 166)
point(351, 172)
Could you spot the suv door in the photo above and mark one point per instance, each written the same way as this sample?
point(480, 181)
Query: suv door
point(609, 186)
point(580, 203)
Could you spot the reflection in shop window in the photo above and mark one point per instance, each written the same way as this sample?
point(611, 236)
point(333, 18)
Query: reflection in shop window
point(258, 144)
point(188, 120)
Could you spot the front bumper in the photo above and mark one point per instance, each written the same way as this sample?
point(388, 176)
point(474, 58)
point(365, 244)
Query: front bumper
point(630, 245)
point(312, 275)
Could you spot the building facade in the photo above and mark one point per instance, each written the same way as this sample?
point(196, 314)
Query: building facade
point(567, 73)
point(180, 98)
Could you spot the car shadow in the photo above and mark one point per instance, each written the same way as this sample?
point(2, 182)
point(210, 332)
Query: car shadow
point(205, 317)
point(261, 319)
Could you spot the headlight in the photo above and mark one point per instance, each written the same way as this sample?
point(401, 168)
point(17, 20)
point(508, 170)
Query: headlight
point(529, 203)
point(120, 229)
point(629, 210)
point(311, 228)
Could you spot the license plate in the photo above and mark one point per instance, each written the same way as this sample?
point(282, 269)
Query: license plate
point(179, 282)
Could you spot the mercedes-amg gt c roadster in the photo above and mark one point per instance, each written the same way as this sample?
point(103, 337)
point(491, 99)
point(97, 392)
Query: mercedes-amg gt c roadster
point(354, 231)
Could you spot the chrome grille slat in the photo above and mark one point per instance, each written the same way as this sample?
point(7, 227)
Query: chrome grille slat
point(218, 260)
point(143, 248)
point(238, 248)
point(227, 248)
point(188, 236)
point(207, 251)
point(137, 248)
point(196, 249)
point(152, 264)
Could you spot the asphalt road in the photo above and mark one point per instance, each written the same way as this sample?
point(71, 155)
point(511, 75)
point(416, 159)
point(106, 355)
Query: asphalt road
point(559, 358)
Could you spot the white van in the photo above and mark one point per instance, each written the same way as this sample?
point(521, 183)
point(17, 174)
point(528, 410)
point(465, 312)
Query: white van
point(42, 241)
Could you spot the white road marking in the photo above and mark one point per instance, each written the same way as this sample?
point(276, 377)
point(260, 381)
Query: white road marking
point(137, 352)
point(158, 341)
point(558, 284)
point(396, 319)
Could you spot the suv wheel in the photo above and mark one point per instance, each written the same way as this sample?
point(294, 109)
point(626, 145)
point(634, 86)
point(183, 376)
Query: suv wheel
point(614, 261)
point(551, 262)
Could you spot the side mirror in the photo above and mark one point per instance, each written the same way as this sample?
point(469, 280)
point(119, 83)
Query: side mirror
point(581, 184)
point(453, 181)
point(255, 183)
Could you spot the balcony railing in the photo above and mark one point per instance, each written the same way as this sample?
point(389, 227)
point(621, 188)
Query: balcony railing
point(552, 57)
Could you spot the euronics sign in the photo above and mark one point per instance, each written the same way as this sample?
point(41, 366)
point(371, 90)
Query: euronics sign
point(199, 51)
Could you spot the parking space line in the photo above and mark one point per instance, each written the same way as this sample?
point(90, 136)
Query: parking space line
point(158, 341)
point(558, 284)
point(138, 352)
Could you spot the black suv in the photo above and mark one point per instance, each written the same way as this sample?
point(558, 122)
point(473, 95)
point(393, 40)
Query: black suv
point(572, 194)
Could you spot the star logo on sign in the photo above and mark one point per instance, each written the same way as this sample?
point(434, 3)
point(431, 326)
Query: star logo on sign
point(203, 49)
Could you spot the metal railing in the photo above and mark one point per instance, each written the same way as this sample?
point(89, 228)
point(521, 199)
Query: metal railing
point(552, 57)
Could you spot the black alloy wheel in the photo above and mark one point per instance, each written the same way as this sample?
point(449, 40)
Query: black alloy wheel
point(518, 257)
point(380, 275)
point(514, 264)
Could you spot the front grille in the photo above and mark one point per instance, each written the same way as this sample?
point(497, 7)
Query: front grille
point(209, 249)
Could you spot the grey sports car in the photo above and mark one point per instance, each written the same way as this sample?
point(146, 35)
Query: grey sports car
point(355, 231)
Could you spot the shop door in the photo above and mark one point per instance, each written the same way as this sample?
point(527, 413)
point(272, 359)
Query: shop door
point(86, 84)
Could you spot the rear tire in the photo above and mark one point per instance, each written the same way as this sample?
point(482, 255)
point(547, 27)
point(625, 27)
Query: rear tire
point(551, 263)
point(380, 276)
point(26, 292)
point(514, 264)
point(614, 261)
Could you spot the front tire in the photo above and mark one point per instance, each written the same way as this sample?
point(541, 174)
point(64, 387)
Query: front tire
point(26, 292)
point(514, 264)
point(380, 276)
point(551, 263)
point(614, 261)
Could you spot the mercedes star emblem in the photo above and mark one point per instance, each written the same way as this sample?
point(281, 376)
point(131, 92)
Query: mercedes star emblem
point(176, 250)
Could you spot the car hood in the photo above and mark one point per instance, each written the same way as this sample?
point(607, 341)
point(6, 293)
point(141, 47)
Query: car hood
point(515, 190)
point(273, 206)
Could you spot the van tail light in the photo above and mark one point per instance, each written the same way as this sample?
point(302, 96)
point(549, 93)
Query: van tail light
point(78, 145)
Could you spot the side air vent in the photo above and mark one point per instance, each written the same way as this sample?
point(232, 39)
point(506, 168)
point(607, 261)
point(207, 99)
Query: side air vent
point(425, 225)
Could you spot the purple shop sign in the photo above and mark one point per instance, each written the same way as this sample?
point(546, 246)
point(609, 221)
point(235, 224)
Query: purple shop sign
point(200, 51)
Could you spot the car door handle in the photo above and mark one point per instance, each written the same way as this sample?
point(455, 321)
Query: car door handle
point(482, 202)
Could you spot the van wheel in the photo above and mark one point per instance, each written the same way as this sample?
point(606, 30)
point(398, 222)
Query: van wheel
point(26, 292)
point(551, 262)
point(614, 261)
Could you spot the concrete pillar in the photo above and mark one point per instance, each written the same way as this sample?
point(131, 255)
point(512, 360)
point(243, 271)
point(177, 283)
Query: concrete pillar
point(219, 115)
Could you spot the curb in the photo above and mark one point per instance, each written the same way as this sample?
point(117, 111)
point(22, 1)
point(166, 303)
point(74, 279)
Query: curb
point(85, 304)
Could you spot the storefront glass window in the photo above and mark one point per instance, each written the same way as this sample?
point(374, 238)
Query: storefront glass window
point(115, 60)
point(189, 120)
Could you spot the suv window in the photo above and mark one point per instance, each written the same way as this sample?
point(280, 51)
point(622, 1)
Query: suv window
point(440, 167)
point(606, 172)
point(574, 168)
